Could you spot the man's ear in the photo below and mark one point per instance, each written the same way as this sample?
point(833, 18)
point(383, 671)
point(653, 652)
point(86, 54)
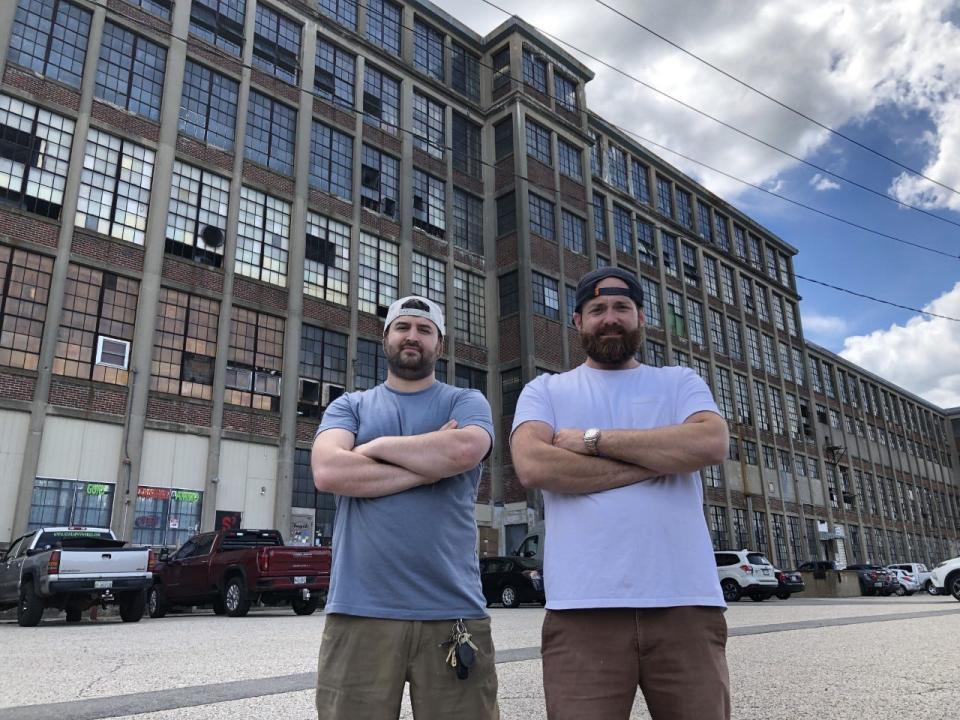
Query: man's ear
point(642, 319)
point(577, 320)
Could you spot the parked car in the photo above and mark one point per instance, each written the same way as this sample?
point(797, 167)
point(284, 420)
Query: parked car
point(874, 579)
point(230, 569)
point(946, 578)
point(907, 584)
point(788, 583)
point(817, 566)
point(743, 572)
point(919, 571)
point(512, 580)
point(72, 569)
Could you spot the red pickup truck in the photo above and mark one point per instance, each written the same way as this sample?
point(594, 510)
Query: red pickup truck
point(230, 569)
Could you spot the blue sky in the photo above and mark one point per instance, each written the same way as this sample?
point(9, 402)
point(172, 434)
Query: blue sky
point(886, 73)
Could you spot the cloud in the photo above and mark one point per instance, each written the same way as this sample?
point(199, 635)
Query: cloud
point(823, 324)
point(922, 356)
point(821, 183)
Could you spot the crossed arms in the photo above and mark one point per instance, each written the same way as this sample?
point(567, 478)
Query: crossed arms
point(392, 464)
point(559, 461)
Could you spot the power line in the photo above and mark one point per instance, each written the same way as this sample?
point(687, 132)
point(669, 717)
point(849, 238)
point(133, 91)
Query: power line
point(737, 130)
point(878, 300)
point(780, 103)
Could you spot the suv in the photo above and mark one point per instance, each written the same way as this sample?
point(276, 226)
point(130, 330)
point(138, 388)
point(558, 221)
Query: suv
point(946, 578)
point(743, 572)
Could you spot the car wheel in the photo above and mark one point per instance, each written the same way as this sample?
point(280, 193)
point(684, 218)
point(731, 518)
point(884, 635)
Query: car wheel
point(218, 607)
point(931, 588)
point(74, 614)
point(901, 591)
point(132, 605)
point(156, 603)
point(236, 598)
point(783, 594)
point(953, 585)
point(758, 597)
point(30, 609)
point(731, 590)
point(306, 607)
point(509, 596)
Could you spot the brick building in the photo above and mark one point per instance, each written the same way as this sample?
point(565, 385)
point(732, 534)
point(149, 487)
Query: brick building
point(200, 230)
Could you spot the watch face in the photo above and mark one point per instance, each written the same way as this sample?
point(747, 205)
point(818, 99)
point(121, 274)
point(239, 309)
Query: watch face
point(592, 434)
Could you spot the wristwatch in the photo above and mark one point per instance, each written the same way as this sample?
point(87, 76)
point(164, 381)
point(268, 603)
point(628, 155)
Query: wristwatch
point(591, 438)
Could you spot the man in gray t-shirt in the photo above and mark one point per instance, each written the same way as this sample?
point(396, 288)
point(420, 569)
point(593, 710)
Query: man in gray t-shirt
point(404, 460)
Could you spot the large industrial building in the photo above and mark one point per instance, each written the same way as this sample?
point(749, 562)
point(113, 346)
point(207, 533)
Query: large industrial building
point(200, 230)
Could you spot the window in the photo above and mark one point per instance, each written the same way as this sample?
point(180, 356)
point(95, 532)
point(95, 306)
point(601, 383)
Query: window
point(760, 396)
point(599, 218)
point(383, 25)
point(718, 520)
point(467, 221)
point(34, 155)
point(534, 70)
point(726, 285)
point(622, 230)
point(326, 269)
point(263, 237)
point(618, 167)
point(542, 220)
point(646, 243)
point(769, 458)
point(638, 181)
point(722, 237)
point(511, 383)
point(655, 354)
point(509, 293)
point(769, 355)
point(470, 378)
point(331, 161)
point(197, 216)
point(725, 394)
point(343, 12)
point(574, 232)
point(740, 241)
point(760, 531)
point(24, 286)
point(571, 300)
point(746, 288)
point(503, 139)
point(163, 516)
point(379, 182)
point(772, 263)
point(691, 268)
point(379, 274)
point(716, 332)
point(276, 44)
point(428, 49)
point(428, 134)
point(695, 315)
point(565, 92)
point(780, 540)
point(797, 366)
point(468, 316)
point(735, 339)
point(651, 302)
point(675, 319)
point(219, 22)
point(115, 187)
point(753, 348)
point(778, 319)
point(371, 366)
point(538, 143)
point(430, 278)
point(506, 214)
point(664, 197)
point(334, 74)
point(668, 243)
point(750, 452)
point(756, 253)
point(465, 72)
point(785, 366)
point(130, 71)
point(208, 107)
point(684, 208)
point(703, 217)
point(69, 502)
point(271, 133)
point(776, 409)
point(569, 160)
point(466, 147)
point(501, 68)
point(50, 38)
point(743, 400)
point(96, 306)
point(381, 100)
point(184, 345)
point(546, 296)
point(429, 203)
point(596, 155)
point(254, 360)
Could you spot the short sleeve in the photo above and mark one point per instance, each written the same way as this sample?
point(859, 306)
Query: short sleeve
point(693, 396)
point(472, 408)
point(534, 404)
point(341, 414)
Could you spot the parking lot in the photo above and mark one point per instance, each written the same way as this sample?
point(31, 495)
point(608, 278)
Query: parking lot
point(801, 658)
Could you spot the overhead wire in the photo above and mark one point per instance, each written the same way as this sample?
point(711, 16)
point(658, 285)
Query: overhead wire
point(875, 299)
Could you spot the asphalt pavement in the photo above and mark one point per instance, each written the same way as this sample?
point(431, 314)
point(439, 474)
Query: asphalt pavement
point(800, 658)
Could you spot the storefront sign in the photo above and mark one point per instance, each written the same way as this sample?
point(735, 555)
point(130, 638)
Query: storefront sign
point(97, 489)
point(188, 496)
point(228, 519)
point(154, 493)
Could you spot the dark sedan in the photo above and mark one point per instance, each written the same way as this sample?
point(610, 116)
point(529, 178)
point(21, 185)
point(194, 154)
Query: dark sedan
point(512, 580)
point(788, 583)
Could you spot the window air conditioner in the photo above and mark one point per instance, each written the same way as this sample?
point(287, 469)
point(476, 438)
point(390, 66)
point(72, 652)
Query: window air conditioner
point(330, 392)
point(112, 352)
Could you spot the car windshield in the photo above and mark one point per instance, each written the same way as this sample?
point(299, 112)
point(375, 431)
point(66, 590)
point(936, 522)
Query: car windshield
point(757, 559)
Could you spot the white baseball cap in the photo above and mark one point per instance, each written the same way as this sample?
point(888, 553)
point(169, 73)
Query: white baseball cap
point(434, 314)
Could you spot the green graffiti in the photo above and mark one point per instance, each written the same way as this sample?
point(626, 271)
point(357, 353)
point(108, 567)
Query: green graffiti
point(189, 496)
point(97, 489)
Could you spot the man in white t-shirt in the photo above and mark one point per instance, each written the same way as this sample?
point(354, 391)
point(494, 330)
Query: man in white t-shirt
point(633, 597)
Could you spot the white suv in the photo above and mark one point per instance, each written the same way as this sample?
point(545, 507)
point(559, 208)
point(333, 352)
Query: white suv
point(743, 572)
point(946, 577)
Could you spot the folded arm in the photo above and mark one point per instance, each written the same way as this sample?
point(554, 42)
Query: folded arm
point(446, 452)
point(339, 469)
point(541, 464)
point(701, 440)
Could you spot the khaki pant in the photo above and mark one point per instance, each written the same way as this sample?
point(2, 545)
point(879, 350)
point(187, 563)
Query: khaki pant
point(594, 660)
point(364, 663)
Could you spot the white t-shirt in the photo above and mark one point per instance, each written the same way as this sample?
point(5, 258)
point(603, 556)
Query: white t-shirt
point(643, 545)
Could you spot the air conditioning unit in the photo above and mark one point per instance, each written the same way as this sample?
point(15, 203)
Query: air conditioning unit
point(309, 392)
point(239, 378)
point(112, 352)
point(329, 393)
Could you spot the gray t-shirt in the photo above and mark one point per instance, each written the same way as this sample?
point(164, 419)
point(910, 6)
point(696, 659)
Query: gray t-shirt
point(412, 555)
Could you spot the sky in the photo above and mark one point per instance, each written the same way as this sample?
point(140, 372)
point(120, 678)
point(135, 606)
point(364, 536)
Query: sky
point(885, 73)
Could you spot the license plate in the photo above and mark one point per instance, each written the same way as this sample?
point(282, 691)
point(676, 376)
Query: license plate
point(766, 572)
point(300, 580)
point(878, 584)
point(102, 584)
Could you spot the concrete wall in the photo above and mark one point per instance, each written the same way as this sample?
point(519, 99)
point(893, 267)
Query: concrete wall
point(173, 460)
point(80, 450)
point(13, 437)
point(248, 479)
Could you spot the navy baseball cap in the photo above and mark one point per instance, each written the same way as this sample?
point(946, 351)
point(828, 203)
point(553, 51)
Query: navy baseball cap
point(587, 287)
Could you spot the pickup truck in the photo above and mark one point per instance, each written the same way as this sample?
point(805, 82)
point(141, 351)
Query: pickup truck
point(73, 568)
point(230, 569)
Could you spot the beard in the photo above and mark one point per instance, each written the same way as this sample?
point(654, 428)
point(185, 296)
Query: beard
point(410, 367)
point(611, 350)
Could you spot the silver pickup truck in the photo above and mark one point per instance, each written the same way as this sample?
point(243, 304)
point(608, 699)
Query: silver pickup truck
point(72, 569)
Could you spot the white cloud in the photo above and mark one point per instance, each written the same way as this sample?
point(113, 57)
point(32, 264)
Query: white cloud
point(922, 356)
point(814, 323)
point(822, 183)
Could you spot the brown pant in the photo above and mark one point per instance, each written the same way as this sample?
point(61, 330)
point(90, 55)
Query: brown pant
point(594, 660)
point(364, 663)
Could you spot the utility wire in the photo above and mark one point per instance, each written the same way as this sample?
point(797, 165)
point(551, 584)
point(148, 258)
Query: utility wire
point(780, 103)
point(737, 130)
point(878, 300)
